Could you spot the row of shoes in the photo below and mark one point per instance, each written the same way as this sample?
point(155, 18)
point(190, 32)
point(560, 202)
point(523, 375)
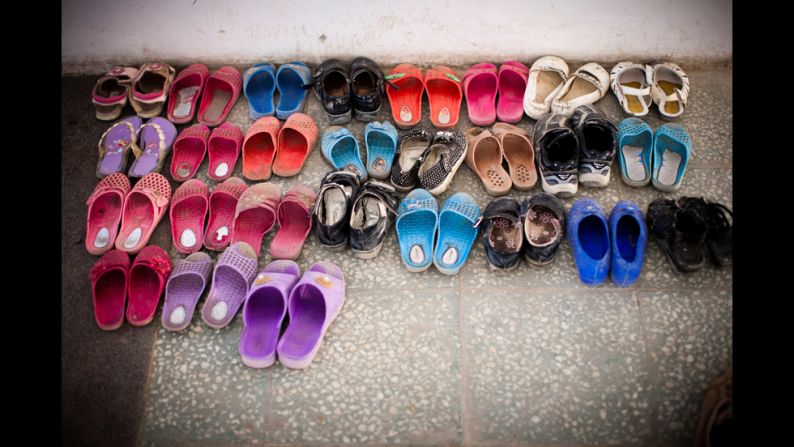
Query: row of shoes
point(279, 291)
point(688, 228)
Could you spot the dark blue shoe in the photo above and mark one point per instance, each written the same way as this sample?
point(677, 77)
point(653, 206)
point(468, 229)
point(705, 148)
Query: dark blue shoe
point(588, 235)
point(629, 238)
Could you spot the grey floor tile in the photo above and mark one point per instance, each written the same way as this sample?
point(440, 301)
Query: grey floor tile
point(388, 372)
point(553, 367)
point(690, 341)
point(200, 389)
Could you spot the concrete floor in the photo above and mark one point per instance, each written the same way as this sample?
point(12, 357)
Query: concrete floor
point(529, 357)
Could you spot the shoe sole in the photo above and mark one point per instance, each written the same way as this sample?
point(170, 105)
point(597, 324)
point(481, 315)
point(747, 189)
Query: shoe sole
point(565, 190)
point(338, 248)
point(676, 267)
point(259, 363)
point(541, 264)
point(368, 254)
point(403, 188)
point(340, 119)
point(595, 180)
point(366, 117)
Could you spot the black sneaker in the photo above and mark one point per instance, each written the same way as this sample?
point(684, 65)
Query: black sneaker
point(442, 160)
point(332, 208)
point(371, 218)
point(332, 87)
point(719, 220)
point(413, 145)
point(557, 155)
point(680, 232)
point(366, 81)
point(502, 233)
point(597, 145)
point(544, 227)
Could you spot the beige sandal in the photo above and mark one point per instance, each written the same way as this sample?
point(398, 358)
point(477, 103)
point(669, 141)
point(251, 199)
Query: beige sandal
point(150, 89)
point(517, 150)
point(484, 157)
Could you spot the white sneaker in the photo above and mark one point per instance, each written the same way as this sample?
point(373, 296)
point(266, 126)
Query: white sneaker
point(631, 84)
point(585, 86)
point(546, 77)
point(669, 88)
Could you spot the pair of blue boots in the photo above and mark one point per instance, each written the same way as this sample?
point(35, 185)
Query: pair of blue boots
point(340, 149)
point(646, 157)
point(261, 81)
point(418, 221)
point(600, 246)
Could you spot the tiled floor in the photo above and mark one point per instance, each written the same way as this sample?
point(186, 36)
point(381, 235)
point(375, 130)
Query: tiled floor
point(528, 357)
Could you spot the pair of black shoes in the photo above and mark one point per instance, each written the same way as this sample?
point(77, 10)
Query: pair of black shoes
point(347, 90)
point(575, 149)
point(684, 229)
point(535, 229)
point(347, 212)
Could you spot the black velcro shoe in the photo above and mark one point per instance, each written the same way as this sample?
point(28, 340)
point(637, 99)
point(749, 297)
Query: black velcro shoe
point(332, 208)
point(372, 215)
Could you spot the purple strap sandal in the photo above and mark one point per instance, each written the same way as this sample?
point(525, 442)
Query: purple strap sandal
point(156, 138)
point(183, 290)
point(233, 273)
point(264, 311)
point(115, 145)
point(314, 303)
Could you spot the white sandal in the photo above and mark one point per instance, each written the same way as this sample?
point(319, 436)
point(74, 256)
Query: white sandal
point(669, 88)
point(546, 78)
point(585, 86)
point(631, 84)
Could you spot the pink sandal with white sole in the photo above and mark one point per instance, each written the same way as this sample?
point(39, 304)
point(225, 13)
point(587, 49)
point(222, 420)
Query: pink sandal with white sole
point(255, 215)
point(294, 216)
point(104, 213)
point(144, 207)
point(223, 203)
point(224, 149)
point(188, 212)
point(189, 150)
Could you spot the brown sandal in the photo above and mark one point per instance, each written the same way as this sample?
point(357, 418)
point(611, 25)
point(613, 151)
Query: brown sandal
point(517, 150)
point(484, 157)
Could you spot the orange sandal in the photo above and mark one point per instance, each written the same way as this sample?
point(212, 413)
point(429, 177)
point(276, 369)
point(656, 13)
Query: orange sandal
point(259, 148)
point(405, 94)
point(484, 157)
point(444, 95)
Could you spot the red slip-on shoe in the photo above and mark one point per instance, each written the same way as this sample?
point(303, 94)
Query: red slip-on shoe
point(147, 278)
point(108, 278)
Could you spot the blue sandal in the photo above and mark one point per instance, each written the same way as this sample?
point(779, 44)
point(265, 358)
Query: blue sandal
point(259, 85)
point(417, 220)
point(588, 236)
point(292, 81)
point(635, 150)
point(672, 149)
point(340, 148)
point(381, 142)
point(457, 231)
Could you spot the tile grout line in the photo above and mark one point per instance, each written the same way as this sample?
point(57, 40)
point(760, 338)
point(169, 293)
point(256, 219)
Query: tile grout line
point(464, 435)
point(150, 372)
point(653, 379)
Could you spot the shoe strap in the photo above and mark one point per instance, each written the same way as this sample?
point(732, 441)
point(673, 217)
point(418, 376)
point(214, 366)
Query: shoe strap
point(161, 143)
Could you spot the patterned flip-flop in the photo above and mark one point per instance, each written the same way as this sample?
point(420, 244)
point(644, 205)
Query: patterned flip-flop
point(156, 138)
point(104, 213)
point(183, 290)
point(144, 206)
point(231, 278)
point(115, 145)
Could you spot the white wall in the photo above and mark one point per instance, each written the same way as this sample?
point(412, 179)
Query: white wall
point(98, 33)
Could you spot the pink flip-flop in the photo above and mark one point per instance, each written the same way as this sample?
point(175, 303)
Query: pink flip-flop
point(223, 203)
point(185, 92)
point(512, 86)
point(255, 215)
point(189, 150)
point(294, 216)
point(480, 84)
point(144, 206)
point(104, 213)
point(224, 149)
point(109, 277)
point(188, 212)
point(220, 93)
point(147, 279)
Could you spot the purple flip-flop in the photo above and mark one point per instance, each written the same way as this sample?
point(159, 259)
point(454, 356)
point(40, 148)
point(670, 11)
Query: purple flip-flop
point(264, 311)
point(183, 290)
point(314, 303)
point(156, 138)
point(233, 273)
point(115, 145)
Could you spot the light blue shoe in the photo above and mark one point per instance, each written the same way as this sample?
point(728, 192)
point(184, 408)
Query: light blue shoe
point(259, 85)
point(292, 81)
point(340, 148)
point(457, 231)
point(635, 150)
point(381, 142)
point(417, 220)
point(672, 149)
